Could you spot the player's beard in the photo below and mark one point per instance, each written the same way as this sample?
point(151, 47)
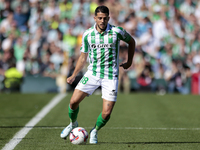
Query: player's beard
point(101, 28)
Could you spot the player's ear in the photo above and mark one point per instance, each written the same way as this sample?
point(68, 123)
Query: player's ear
point(95, 18)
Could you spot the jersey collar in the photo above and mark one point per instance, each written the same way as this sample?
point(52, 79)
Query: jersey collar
point(108, 28)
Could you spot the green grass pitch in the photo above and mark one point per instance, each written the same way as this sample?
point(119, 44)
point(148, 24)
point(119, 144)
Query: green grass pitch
point(139, 122)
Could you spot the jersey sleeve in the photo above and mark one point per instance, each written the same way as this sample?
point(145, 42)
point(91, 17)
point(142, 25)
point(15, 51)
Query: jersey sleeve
point(84, 46)
point(123, 35)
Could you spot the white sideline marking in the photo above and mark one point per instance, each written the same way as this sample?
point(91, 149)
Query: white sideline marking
point(22, 133)
point(127, 128)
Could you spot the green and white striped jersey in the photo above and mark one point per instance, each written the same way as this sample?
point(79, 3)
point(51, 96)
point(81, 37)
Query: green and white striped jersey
point(103, 50)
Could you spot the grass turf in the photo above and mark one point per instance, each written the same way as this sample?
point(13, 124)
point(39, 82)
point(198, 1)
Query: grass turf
point(138, 121)
point(16, 110)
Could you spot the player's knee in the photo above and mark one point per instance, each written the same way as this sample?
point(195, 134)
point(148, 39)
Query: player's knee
point(74, 104)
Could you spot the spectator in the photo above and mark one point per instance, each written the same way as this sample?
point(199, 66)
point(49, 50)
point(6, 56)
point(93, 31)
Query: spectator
point(5, 11)
point(7, 43)
point(65, 9)
point(175, 80)
point(19, 50)
point(36, 42)
point(146, 79)
point(6, 24)
point(64, 25)
point(13, 79)
point(51, 10)
point(51, 71)
point(143, 26)
point(150, 44)
point(57, 55)
point(25, 6)
point(124, 80)
point(196, 62)
point(20, 17)
point(187, 8)
point(6, 61)
point(70, 42)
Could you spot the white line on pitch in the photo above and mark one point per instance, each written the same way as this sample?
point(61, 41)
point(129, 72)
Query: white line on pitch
point(22, 133)
point(126, 128)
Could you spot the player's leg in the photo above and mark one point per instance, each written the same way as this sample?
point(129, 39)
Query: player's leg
point(73, 110)
point(105, 114)
point(109, 95)
point(102, 119)
point(85, 87)
point(76, 98)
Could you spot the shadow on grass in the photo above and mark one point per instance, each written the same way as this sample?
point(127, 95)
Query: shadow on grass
point(143, 143)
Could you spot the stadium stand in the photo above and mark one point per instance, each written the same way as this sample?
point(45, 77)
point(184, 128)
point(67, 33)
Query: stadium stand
point(43, 38)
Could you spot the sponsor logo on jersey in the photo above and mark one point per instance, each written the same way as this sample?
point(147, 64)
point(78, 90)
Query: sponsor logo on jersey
point(94, 46)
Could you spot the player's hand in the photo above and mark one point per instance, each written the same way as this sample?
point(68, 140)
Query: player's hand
point(126, 65)
point(70, 80)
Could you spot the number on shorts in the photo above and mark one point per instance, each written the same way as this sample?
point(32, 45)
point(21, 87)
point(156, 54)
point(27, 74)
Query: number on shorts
point(84, 80)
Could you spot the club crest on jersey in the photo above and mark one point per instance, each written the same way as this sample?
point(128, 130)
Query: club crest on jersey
point(94, 46)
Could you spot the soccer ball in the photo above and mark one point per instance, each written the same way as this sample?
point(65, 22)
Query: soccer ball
point(78, 136)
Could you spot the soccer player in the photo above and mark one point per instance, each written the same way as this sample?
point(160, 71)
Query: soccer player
point(101, 42)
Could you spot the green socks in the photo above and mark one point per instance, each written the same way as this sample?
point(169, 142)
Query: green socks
point(73, 114)
point(100, 122)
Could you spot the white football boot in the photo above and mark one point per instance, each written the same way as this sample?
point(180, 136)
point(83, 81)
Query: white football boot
point(93, 136)
point(66, 131)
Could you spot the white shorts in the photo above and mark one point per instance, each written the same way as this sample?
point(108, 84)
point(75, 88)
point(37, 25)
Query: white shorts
point(89, 83)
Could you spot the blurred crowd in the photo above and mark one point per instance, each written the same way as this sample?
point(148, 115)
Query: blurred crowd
point(43, 37)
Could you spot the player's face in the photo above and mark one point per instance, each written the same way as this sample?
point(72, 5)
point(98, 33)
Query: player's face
point(101, 20)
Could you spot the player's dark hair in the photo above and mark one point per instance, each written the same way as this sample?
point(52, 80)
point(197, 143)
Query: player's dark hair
point(102, 9)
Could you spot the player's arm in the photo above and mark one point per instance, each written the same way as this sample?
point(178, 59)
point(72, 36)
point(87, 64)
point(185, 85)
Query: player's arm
point(79, 66)
point(131, 51)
